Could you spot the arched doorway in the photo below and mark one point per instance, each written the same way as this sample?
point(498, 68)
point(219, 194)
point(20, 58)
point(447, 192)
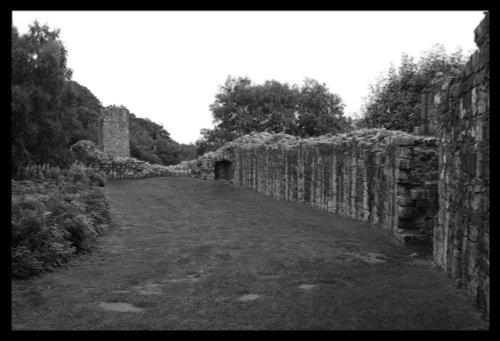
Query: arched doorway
point(223, 170)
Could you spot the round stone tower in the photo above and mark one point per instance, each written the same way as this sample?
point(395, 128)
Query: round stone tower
point(113, 133)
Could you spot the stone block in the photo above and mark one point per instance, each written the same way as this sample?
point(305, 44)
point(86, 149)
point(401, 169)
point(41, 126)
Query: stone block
point(405, 140)
point(417, 193)
point(476, 62)
point(467, 163)
point(404, 201)
point(402, 190)
point(476, 201)
point(405, 212)
point(402, 163)
point(403, 152)
point(401, 174)
point(430, 141)
point(468, 68)
point(483, 101)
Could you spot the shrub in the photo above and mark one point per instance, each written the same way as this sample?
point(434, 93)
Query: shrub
point(97, 207)
point(55, 215)
point(96, 178)
point(88, 153)
point(37, 246)
point(77, 173)
point(25, 263)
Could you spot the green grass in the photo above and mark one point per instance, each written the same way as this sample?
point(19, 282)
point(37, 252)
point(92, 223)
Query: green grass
point(186, 249)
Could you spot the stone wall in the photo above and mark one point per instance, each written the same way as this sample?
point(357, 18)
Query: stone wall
point(429, 113)
point(390, 178)
point(387, 178)
point(461, 236)
point(114, 134)
point(131, 168)
point(204, 166)
point(115, 167)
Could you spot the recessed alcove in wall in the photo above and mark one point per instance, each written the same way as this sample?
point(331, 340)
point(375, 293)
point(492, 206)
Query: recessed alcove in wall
point(223, 170)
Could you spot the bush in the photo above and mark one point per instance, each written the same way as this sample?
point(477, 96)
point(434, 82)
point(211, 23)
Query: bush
point(96, 178)
point(55, 215)
point(37, 245)
point(25, 263)
point(88, 153)
point(77, 173)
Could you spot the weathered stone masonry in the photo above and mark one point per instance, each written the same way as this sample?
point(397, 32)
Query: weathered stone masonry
point(390, 178)
point(461, 236)
point(112, 156)
point(114, 134)
point(387, 178)
point(89, 154)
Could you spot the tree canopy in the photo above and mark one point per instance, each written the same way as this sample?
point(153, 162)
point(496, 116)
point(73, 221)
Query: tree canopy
point(150, 142)
point(50, 112)
point(242, 107)
point(394, 99)
point(39, 73)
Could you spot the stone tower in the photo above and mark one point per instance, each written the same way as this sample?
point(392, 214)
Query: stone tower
point(113, 133)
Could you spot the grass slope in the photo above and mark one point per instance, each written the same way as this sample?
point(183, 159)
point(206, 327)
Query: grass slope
point(201, 255)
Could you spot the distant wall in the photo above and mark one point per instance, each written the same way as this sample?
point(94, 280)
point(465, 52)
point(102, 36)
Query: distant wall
point(461, 236)
point(114, 133)
point(387, 178)
point(115, 167)
point(131, 168)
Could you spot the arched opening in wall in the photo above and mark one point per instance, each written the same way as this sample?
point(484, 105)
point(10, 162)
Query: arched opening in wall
point(223, 170)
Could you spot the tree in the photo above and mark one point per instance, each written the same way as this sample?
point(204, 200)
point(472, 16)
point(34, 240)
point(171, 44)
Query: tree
point(213, 139)
point(142, 135)
point(81, 113)
point(319, 111)
point(50, 112)
point(39, 72)
point(242, 108)
point(150, 142)
point(394, 99)
point(167, 151)
point(187, 151)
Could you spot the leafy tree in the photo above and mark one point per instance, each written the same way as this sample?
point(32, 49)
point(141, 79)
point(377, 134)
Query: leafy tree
point(150, 142)
point(167, 151)
point(81, 113)
point(242, 108)
point(142, 133)
point(319, 111)
point(50, 112)
point(394, 99)
point(213, 139)
point(38, 73)
point(187, 151)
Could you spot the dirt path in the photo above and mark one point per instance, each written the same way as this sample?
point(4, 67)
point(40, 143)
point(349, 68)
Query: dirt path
point(194, 254)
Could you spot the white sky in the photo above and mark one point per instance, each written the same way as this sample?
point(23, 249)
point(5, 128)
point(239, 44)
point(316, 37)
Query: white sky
point(167, 65)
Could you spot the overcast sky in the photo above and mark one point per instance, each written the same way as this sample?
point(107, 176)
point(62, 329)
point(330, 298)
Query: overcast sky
point(168, 65)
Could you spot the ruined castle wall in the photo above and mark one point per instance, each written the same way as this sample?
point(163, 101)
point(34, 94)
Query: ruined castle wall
point(403, 183)
point(461, 236)
point(428, 123)
point(89, 154)
point(114, 134)
point(386, 178)
point(130, 168)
